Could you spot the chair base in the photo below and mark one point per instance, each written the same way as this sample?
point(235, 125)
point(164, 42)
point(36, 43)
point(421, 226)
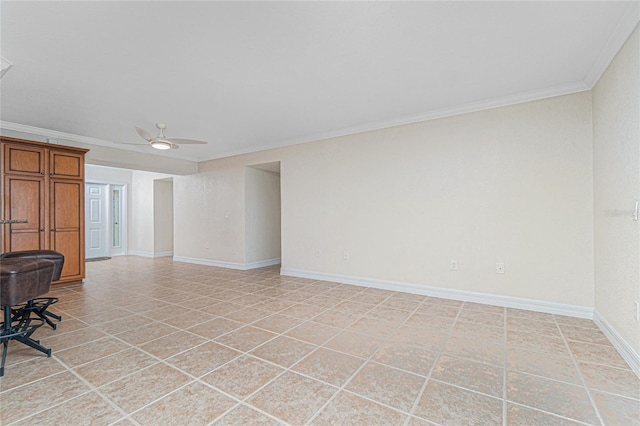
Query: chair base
point(39, 307)
point(20, 330)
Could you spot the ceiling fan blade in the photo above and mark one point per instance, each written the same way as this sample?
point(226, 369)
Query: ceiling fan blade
point(129, 143)
point(144, 134)
point(186, 141)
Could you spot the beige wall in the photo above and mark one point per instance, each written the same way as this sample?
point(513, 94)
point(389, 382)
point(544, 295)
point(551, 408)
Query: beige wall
point(616, 129)
point(163, 216)
point(512, 184)
point(262, 215)
point(508, 185)
point(209, 215)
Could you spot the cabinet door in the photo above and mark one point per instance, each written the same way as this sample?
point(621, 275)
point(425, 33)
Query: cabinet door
point(24, 199)
point(67, 225)
point(24, 159)
point(66, 165)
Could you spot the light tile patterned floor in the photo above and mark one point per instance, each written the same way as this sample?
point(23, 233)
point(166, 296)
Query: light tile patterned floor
point(152, 342)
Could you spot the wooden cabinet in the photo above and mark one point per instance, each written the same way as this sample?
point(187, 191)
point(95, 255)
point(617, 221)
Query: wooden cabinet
point(24, 199)
point(23, 159)
point(67, 224)
point(44, 184)
point(66, 165)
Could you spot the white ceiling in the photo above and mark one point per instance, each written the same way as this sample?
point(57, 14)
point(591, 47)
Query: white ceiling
point(248, 76)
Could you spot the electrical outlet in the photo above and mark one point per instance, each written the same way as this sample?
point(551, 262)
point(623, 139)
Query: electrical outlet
point(345, 255)
point(500, 268)
point(637, 309)
point(454, 265)
point(318, 252)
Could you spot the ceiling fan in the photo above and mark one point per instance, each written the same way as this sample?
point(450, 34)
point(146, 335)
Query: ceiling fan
point(163, 142)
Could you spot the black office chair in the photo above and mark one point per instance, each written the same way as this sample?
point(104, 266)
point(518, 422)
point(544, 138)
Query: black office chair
point(39, 306)
point(22, 280)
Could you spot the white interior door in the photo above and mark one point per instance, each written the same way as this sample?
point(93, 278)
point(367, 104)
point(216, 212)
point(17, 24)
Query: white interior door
point(97, 242)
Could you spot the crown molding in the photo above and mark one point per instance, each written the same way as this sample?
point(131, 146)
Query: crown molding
point(47, 133)
point(39, 131)
point(621, 33)
point(519, 98)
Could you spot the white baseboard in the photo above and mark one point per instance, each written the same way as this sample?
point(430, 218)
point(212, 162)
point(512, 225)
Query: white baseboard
point(163, 254)
point(262, 263)
point(140, 253)
point(465, 296)
point(625, 350)
point(149, 253)
point(230, 265)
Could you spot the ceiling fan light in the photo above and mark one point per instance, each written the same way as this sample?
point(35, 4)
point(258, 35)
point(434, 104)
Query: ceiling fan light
point(161, 145)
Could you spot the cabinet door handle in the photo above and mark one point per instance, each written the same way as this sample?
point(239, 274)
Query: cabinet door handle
point(51, 174)
point(42, 230)
point(12, 221)
point(53, 229)
point(42, 173)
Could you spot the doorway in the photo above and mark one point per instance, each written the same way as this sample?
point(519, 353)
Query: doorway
point(105, 221)
point(262, 215)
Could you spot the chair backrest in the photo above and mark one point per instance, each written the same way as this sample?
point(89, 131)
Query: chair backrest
point(23, 279)
point(55, 256)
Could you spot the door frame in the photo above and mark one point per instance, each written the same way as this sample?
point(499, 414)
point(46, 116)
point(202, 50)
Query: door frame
point(120, 250)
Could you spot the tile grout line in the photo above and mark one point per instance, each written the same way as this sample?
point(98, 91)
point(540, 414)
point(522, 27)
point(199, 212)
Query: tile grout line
point(235, 278)
point(546, 378)
point(179, 388)
point(288, 369)
point(246, 353)
point(159, 361)
point(439, 354)
point(91, 387)
point(244, 400)
point(577, 367)
point(549, 413)
point(385, 340)
point(322, 346)
point(505, 351)
point(342, 388)
point(250, 407)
